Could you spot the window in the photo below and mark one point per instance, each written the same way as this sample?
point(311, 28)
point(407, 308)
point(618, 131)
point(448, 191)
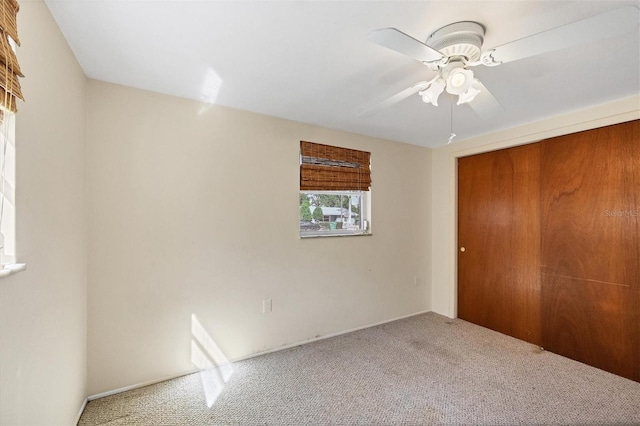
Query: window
point(334, 190)
point(332, 213)
point(7, 190)
point(9, 92)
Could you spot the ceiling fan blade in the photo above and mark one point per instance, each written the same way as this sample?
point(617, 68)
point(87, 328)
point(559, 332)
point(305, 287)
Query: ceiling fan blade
point(395, 98)
point(484, 104)
point(403, 43)
point(609, 24)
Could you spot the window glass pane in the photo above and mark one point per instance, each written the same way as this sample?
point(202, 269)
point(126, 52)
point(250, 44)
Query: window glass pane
point(332, 213)
point(7, 191)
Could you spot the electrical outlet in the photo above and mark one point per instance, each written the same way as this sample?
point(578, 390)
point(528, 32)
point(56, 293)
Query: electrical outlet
point(416, 281)
point(266, 306)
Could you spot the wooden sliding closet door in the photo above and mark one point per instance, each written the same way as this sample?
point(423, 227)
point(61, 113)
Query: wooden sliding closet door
point(499, 241)
point(590, 203)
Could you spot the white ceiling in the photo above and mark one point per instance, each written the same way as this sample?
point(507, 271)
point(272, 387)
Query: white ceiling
point(310, 61)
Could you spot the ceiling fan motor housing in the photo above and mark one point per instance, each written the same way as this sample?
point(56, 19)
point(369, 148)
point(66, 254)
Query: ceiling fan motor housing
point(460, 39)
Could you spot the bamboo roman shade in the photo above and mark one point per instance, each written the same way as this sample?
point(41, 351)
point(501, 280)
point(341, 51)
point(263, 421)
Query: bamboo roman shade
point(9, 67)
point(331, 168)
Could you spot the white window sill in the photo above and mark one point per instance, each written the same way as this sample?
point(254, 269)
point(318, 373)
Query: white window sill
point(11, 269)
point(333, 234)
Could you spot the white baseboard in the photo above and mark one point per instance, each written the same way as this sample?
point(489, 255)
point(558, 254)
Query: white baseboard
point(82, 407)
point(253, 355)
point(328, 336)
point(141, 385)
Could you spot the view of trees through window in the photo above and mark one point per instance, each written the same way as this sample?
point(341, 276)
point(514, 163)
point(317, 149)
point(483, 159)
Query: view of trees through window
point(330, 212)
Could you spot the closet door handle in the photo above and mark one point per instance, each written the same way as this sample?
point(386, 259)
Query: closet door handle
point(462, 249)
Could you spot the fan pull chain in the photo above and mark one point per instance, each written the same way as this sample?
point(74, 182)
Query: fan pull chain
point(452, 135)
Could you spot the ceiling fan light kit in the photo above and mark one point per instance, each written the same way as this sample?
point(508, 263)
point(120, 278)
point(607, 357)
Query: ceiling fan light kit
point(451, 50)
point(456, 79)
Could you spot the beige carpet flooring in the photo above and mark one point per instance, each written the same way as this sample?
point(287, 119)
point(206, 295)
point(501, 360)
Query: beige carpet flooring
point(422, 370)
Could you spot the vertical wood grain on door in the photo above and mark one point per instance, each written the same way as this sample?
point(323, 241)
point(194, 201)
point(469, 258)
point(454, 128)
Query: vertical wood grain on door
point(498, 227)
point(590, 202)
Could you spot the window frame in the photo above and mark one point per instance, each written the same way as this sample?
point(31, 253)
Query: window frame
point(364, 212)
point(8, 214)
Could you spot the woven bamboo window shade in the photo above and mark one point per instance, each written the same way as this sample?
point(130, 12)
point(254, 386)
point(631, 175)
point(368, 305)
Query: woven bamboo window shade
point(9, 67)
point(331, 168)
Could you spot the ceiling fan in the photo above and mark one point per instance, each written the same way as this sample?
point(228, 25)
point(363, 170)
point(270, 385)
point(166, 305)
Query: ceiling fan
point(455, 48)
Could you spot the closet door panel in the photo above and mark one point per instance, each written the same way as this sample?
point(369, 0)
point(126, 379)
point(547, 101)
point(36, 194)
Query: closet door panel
point(590, 247)
point(498, 229)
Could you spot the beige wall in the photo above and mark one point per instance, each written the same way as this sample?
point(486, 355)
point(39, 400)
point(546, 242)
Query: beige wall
point(43, 309)
point(443, 168)
point(193, 211)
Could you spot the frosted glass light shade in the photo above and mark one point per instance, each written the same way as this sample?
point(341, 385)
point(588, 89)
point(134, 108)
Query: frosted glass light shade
point(469, 95)
point(431, 93)
point(459, 81)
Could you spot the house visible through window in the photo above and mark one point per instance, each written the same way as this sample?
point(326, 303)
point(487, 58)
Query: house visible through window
point(334, 190)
